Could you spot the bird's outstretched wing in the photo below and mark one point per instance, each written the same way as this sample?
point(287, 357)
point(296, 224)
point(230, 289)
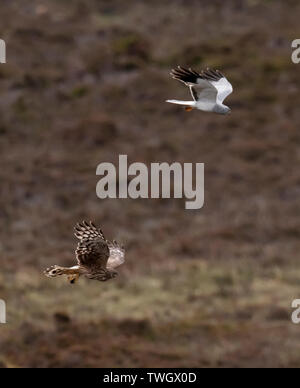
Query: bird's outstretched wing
point(92, 249)
point(116, 255)
point(209, 86)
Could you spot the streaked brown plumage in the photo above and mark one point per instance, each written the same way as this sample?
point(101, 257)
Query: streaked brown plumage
point(96, 257)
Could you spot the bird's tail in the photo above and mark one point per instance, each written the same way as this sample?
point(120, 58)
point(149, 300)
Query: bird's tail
point(188, 103)
point(72, 273)
point(56, 270)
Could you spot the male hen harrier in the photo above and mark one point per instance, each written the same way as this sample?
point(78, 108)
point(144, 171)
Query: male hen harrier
point(97, 257)
point(208, 88)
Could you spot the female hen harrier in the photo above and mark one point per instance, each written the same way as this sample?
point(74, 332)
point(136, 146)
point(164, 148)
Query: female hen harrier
point(208, 88)
point(97, 257)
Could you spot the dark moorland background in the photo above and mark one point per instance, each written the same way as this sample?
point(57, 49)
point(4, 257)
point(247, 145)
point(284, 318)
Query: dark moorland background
point(86, 81)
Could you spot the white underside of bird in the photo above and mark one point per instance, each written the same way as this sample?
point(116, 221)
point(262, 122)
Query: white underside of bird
point(208, 88)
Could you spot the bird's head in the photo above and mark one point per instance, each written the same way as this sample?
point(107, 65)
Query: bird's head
point(227, 110)
point(113, 274)
point(222, 109)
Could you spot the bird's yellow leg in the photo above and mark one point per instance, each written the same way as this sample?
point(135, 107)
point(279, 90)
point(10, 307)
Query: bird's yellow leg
point(73, 278)
point(188, 108)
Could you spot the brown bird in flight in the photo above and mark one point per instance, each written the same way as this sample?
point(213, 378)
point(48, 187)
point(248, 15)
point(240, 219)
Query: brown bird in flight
point(97, 258)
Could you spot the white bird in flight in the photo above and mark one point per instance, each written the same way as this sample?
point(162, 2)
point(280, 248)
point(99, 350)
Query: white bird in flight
point(208, 88)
